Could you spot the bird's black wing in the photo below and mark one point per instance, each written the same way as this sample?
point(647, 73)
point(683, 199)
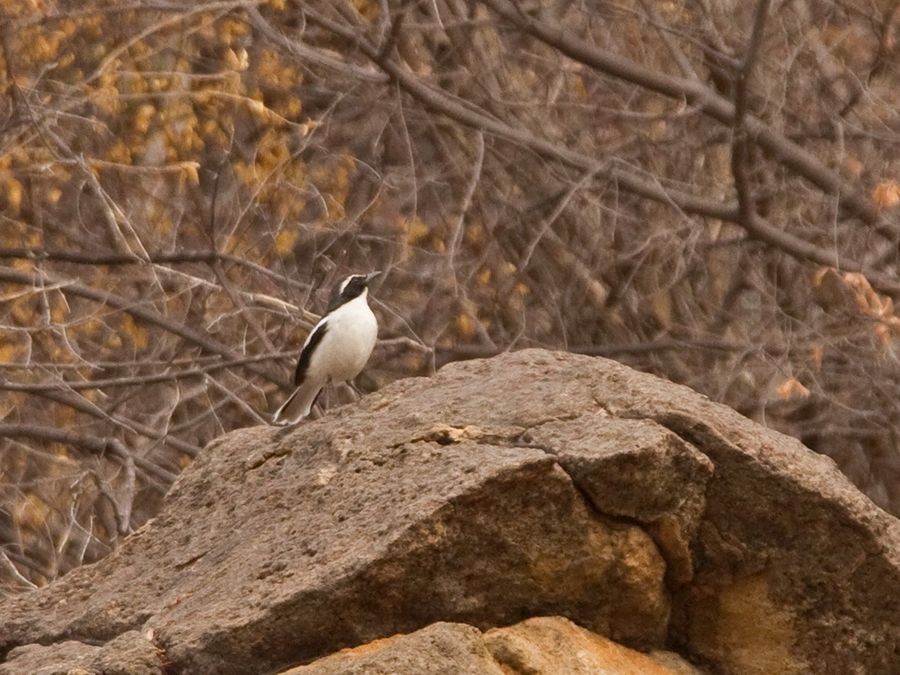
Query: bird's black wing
point(306, 353)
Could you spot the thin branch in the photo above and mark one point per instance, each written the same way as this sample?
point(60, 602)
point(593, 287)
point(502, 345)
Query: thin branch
point(308, 319)
point(82, 258)
point(146, 315)
point(15, 572)
point(141, 380)
point(93, 444)
point(330, 60)
point(467, 201)
point(551, 219)
point(82, 405)
point(186, 12)
point(444, 103)
point(740, 141)
point(472, 116)
point(696, 93)
point(684, 64)
point(237, 400)
point(242, 309)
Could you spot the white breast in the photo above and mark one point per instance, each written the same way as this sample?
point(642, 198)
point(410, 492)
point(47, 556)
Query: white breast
point(349, 339)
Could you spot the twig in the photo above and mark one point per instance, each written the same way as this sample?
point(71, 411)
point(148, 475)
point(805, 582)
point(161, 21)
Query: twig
point(296, 48)
point(467, 200)
point(712, 104)
point(557, 211)
point(82, 405)
point(15, 571)
point(141, 380)
point(149, 316)
point(98, 446)
point(684, 64)
point(627, 180)
point(470, 115)
point(739, 145)
point(237, 400)
point(186, 257)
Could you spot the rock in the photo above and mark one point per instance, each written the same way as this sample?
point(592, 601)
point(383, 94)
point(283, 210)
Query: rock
point(787, 547)
point(639, 470)
point(62, 658)
point(435, 650)
point(531, 484)
point(128, 654)
point(328, 547)
point(539, 646)
point(552, 645)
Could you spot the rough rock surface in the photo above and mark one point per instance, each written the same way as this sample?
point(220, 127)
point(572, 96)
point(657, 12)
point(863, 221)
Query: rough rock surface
point(531, 484)
point(639, 470)
point(539, 646)
point(439, 648)
point(129, 654)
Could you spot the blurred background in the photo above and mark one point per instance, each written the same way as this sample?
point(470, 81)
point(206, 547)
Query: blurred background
point(181, 183)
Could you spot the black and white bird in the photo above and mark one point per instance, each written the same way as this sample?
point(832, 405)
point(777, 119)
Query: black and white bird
point(336, 349)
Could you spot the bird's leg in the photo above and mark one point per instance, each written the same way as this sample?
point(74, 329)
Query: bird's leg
point(315, 408)
point(347, 392)
point(354, 389)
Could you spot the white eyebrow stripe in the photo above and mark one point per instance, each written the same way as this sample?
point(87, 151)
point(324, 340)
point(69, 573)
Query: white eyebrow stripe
point(347, 281)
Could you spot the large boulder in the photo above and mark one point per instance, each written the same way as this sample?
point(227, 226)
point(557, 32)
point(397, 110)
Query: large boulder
point(539, 646)
point(531, 484)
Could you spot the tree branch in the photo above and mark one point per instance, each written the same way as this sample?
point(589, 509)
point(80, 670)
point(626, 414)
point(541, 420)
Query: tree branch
point(739, 143)
point(759, 228)
point(308, 319)
point(84, 406)
point(442, 102)
point(93, 444)
point(146, 315)
point(709, 102)
point(140, 380)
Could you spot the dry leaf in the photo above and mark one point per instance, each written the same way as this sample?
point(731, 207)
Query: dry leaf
point(867, 300)
point(883, 333)
point(852, 167)
point(830, 289)
point(285, 241)
point(886, 195)
point(14, 194)
point(791, 388)
point(818, 353)
point(465, 326)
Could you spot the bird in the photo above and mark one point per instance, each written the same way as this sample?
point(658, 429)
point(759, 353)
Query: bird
point(336, 349)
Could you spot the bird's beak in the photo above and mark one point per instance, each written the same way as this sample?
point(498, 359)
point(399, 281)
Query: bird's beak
point(370, 277)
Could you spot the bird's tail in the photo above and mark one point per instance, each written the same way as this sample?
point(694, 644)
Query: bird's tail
point(298, 404)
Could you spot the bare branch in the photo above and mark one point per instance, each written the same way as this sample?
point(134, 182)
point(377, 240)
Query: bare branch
point(98, 446)
point(138, 311)
point(142, 380)
point(696, 93)
point(740, 141)
point(691, 204)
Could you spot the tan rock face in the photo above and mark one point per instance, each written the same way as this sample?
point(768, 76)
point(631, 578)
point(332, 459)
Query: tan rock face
point(743, 622)
point(531, 484)
point(439, 648)
point(551, 645)
point(639, 470)
point(57, 659)
point(129, 654)
point(539, 646)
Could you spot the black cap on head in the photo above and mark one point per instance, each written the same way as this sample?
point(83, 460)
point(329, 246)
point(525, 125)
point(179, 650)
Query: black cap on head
point(350, 288)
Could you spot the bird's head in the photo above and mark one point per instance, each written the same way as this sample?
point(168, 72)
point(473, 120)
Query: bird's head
point(350, 288)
